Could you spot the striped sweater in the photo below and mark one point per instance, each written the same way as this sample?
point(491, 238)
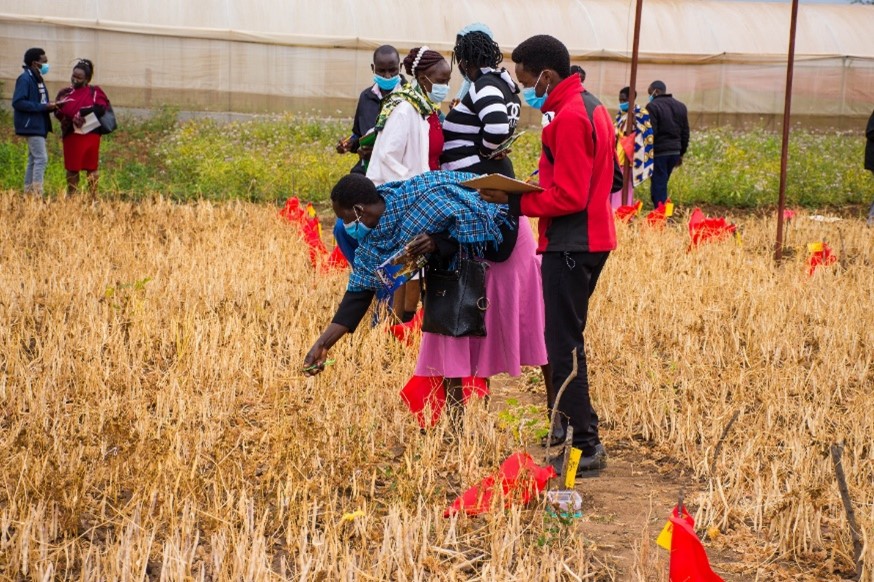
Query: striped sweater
point(484, 118)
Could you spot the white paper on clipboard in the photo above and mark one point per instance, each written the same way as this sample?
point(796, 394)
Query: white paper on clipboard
point(91, 123)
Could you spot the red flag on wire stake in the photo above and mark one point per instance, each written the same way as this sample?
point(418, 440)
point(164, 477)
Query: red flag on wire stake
point(307, 222)
point(703, 229)
point(658, 217)
point(426, 394)
point(689, 561)
point(519, 480)
point(821, 255)
point(626, 213)
point(406, 332)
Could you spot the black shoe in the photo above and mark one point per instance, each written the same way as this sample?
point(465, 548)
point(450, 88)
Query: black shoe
point(558, 434)
point(588, 466)
point(553, 439)
point(594, 462)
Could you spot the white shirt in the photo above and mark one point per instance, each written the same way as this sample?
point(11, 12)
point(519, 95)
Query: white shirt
point(401, 148)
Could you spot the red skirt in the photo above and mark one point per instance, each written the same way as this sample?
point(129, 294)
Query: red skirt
point(81, 151)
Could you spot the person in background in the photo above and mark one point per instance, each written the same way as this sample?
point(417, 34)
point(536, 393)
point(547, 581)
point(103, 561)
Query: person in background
point(409, 138)
point(869, 159)
point(576, 222)
point(578, 70)
point(486, 116)
point(32, 118)
point(641, 162)
point(81, 150)
point(386, 68)
point(670, 132)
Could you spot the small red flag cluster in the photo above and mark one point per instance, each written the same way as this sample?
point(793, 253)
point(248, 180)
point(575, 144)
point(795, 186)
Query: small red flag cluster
point(307, 222)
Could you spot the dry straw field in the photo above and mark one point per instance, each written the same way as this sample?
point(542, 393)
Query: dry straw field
point(154, 421)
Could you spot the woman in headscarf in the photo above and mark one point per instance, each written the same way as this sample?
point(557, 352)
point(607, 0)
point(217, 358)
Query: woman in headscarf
point(640, 146)
point(81, 150)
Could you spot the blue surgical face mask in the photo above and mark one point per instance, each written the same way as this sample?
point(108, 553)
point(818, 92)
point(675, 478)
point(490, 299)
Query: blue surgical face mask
point(623, 107)
point(530, 94)
point(357, 229)
point(464, 90)
point(438, 92)
point(651, 97)
point(44, 69)
point(386, 84)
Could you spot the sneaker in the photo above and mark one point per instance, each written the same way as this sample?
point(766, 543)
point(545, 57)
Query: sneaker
point(594, 462)
point(588, 466)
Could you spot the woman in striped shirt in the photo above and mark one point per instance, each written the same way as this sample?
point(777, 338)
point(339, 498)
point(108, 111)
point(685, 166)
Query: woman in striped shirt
point(486, 115)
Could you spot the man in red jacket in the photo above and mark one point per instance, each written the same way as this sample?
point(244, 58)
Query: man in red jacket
point(575, 220)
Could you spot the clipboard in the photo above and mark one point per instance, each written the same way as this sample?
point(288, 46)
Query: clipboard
point(501, 182)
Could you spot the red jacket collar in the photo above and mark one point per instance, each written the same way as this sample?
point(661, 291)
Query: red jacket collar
point(559, 94)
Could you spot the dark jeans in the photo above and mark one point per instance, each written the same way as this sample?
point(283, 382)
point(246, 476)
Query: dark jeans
point(661, 173)
point(568, 282)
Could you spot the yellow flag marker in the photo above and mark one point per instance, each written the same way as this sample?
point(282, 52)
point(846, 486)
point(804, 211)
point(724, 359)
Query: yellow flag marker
point(814, 247)
point(664, 539)
point(352, 516)
point(570, 476)
point(669, 209)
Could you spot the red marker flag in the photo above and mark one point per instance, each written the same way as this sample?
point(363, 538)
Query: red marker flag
point(406, 332)
point(519, 480)
point(820, 255)
point(423, 394)
point(703, 229)
point(626, 213)
point(689, 561)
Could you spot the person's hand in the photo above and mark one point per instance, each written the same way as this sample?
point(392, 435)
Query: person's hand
point(453, 103)
point(364, 152)
point(502, 154)
point(78, 120)
point(494, 196)
point(423, 244)
point(314, 362)
point(343, 146)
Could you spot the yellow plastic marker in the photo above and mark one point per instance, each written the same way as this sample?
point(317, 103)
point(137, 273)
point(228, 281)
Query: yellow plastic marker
point(352, 516)
point(669, 209)
point(570, 476)
point(664, 539)
point(814, 247)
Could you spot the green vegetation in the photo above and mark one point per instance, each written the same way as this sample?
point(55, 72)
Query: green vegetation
point(272, 157)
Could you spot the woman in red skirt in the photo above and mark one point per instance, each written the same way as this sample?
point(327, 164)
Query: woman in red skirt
point(81, 142)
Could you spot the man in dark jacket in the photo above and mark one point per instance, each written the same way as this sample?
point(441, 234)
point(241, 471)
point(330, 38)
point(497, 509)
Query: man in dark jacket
point(575, 220)
point(670, 130)
point(32, 120)
point(386, 78)
point(869, 160)
point(386, 69)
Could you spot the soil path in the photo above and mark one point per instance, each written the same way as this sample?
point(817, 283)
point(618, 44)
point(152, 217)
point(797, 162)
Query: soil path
point(626, 505)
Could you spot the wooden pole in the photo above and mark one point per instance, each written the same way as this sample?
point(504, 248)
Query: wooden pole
point(784, 153)
point(630, 117)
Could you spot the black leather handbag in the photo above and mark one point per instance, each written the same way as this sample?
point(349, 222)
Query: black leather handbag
point(455, 301)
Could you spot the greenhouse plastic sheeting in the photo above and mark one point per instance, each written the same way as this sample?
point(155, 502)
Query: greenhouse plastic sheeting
point(723, 59)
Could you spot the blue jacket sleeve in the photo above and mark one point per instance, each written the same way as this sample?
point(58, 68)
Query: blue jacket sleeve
point(21, 100)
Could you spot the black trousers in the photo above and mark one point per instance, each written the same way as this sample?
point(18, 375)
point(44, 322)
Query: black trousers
point(569, 280)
